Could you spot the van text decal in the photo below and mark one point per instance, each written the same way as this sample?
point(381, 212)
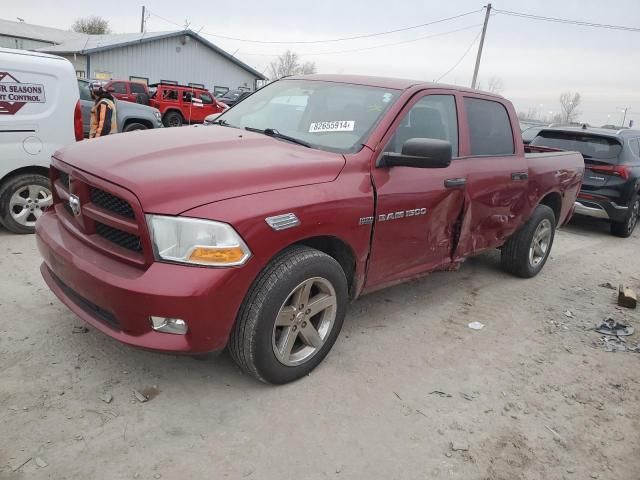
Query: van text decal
point(14, 95)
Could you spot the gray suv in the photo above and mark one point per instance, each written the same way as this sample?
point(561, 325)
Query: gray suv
point(130, 116)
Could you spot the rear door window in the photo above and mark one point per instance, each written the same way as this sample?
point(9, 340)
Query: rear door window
point(590, 146)
point(489, 128)
point(635, 146)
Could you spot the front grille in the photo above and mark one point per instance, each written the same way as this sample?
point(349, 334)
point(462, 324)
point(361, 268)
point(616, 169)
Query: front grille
point(111, 203)
point(86, 305)
point(64, 179)
point(124, 239)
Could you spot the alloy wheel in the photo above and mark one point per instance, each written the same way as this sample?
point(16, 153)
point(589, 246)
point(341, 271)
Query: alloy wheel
point(304, 322)
point(27, 204)
point(540, 243)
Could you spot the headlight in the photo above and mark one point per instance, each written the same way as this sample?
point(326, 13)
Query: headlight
point(195, 241)
point(158, 115)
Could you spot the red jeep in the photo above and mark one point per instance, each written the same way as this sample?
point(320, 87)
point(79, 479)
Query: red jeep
point(128, 91)
point(180, 104)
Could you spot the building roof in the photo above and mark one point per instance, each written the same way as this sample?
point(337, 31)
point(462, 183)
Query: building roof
point(63, 41)
point(36, 32)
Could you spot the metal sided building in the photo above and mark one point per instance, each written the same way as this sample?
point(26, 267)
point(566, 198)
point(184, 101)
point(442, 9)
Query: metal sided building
point(181, 56)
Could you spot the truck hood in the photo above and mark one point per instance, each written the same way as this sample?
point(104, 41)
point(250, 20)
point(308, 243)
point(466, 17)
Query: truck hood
point(172, 170)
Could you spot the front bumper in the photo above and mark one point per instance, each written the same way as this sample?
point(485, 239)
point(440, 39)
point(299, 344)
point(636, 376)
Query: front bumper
point(600, 208)
point(118, 299)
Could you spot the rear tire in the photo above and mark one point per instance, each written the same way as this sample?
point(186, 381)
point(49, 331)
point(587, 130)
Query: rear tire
point(172, 119)
point(135, 126)
point(526, 252)
point(275, 315)
point(23, 199)
point(625, 228)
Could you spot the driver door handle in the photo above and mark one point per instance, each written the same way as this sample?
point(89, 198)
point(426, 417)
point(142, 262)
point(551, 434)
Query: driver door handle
point(455, 182)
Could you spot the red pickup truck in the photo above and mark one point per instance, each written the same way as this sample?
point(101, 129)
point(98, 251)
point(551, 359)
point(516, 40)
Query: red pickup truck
point(254, 233)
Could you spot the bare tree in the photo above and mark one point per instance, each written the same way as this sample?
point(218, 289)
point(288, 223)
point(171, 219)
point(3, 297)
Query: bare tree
point(289, 64)
point(494, 85)
point(569, 103)
point(93, 25)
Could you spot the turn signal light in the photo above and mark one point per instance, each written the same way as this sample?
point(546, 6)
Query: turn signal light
point(217, 255)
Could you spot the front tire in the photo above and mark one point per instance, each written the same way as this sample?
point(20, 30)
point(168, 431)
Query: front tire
point(526, 252)
point(291, 316)
point(625, 229)
point(23, 199)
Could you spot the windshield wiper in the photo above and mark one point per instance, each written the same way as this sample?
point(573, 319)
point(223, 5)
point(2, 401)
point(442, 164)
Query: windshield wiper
point(272, 132)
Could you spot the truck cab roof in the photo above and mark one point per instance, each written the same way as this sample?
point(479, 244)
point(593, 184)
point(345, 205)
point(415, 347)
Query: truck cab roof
point(386, 82)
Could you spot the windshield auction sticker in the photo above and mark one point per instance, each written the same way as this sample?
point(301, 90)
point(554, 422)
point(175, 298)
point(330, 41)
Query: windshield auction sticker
point(337, 126)
point(14, 95)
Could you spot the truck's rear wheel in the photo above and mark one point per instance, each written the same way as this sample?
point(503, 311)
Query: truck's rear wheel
point(291, 317)
point(625, 229)
point(23, 198)
point(526, 252)
point(173, 119)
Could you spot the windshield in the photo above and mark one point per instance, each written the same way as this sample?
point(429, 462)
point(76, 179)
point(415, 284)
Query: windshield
point(590, 146)
point(326, 115)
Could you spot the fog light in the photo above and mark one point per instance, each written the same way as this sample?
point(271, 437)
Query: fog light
point(169, 325)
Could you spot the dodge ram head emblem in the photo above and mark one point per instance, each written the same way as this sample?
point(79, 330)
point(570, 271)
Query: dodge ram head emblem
point(74, 203)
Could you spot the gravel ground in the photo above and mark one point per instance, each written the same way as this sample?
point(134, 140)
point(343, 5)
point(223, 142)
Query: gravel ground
point(533, 395)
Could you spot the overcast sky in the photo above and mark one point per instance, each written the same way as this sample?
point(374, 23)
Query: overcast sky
point(536, 61)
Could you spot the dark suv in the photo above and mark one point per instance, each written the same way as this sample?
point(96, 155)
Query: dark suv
point(612, 174)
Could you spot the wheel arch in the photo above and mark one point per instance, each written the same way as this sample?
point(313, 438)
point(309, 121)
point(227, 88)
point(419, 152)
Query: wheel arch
point(340, 251)
point(553, 200)
point(28, 170)
point(172, 110)
point(142, 121)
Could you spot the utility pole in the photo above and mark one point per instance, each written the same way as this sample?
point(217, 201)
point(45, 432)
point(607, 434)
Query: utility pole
point(484, 32)
point(142, 20)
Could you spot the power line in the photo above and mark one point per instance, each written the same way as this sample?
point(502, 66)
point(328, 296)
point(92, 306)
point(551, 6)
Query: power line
point(372, 47)
point(331, 40)
point(461, 58)
point(566, 21)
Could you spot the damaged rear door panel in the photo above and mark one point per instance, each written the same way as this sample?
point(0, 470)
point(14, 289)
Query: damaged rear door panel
point(496, 200)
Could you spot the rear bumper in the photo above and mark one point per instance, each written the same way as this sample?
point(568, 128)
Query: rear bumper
point(600, 208)
point(118, 299)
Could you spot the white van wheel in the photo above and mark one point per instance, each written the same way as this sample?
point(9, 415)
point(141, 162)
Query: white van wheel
point(23, 199)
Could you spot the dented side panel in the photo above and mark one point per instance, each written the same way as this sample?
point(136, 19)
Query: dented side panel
point(495, 205)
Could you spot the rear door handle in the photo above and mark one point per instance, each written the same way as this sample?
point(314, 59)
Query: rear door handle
point(455, 182)
point(519, 176)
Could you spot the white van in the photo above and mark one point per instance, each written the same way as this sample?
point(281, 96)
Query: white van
point(39, 113)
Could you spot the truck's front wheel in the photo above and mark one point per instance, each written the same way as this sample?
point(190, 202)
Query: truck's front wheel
point(526, 252)
point(291, 317)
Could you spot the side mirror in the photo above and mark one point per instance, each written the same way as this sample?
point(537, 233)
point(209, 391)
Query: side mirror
point(420, 153)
